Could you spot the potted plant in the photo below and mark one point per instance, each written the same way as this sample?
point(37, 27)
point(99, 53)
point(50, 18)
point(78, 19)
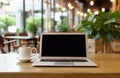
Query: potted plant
point(6, 21)
point(104, 26)
point(32, 26)
point(63, 27)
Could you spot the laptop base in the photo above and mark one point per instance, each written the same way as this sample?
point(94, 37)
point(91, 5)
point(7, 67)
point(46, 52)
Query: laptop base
point(52, 64)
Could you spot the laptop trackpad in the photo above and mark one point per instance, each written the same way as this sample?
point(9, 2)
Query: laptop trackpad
point(64, 63)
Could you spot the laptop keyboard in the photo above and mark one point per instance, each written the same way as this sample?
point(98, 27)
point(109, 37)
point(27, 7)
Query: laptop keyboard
point(81, 60)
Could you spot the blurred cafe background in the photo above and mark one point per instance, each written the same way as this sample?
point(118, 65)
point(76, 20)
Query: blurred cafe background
point(17, 16)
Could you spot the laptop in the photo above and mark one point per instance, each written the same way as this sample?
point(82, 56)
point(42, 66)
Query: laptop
point(63, 49)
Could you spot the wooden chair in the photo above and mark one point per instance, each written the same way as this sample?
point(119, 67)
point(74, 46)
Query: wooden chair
point(2, 43)
point(38, 44)
point(25, 42)
point(14, 45)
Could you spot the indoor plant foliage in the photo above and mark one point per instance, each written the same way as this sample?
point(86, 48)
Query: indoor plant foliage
point(32, 26)
point(106, 25)
point(6, 21)
point(63, 26)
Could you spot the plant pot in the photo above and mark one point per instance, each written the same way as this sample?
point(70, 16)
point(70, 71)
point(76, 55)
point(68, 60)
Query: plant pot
point(91, 45)
point(31, 35)
point(99, 45)
point(108, 47)
point(116, 46)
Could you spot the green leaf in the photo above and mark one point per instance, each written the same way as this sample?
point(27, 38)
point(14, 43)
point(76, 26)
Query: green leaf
point(110, 21)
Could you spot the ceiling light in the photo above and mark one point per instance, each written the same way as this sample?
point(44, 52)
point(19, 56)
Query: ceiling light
point(69, 5)
point(85, 15)
point(57, 5)
point(88, 10)
point(63, 9)
point(91, 3)
point(103, 9)
point(78, 12)
point(96, 12)
point(81, 13)
point(111, 0)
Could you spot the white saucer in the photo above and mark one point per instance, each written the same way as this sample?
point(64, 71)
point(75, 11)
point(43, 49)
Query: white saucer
point(24, 59)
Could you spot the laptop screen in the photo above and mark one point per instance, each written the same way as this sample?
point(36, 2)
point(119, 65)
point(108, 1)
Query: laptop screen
point(63, 45)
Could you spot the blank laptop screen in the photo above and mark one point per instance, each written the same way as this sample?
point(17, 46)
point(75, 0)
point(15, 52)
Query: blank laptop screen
point(65, 45)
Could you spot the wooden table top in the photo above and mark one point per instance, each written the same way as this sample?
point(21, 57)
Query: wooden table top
point(19, 37)
point(107, 64)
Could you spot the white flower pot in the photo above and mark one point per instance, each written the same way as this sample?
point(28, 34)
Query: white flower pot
point(31, 35)
point(91, 45)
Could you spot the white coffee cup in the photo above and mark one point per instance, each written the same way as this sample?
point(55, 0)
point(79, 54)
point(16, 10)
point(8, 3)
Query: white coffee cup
point(26, 52)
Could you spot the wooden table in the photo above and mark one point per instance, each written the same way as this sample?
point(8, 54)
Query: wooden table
point(108, 67)
point(21, 38)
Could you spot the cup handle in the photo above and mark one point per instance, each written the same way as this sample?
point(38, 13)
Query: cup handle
point(34, 50)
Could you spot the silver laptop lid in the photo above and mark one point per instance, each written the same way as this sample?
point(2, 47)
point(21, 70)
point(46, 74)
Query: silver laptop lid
point(63, 46)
